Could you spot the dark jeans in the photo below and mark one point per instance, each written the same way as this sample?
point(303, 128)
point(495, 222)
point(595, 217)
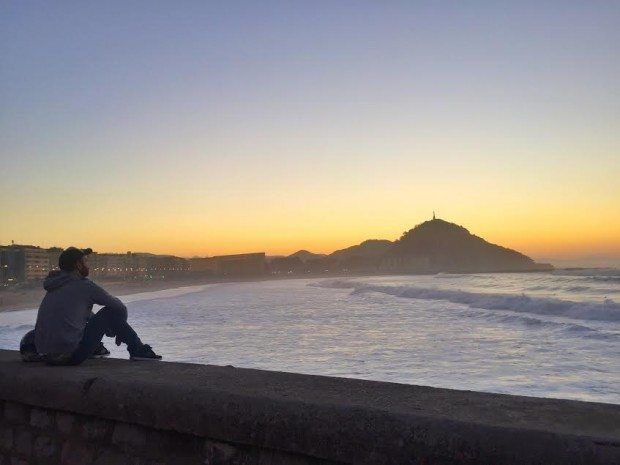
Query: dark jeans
point(105, 321)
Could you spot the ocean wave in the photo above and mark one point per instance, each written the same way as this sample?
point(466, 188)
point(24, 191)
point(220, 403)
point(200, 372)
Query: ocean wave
point(577, 288)
point(452, 275)
point(608, 310)
point(538, 288)
point(589, 272)
point(574, 329)
point(606, 279)
point(24, 328)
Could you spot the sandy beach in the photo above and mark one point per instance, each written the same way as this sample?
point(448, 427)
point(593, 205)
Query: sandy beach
point(26, 297)
point(30, 296)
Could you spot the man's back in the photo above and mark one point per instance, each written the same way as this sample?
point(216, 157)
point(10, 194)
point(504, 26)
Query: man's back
point(65, 309)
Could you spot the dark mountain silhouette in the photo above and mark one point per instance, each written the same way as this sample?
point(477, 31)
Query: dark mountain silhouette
point(372, 248)
point(437, 245)
point(431, 247)
point(305, 255)
point(365, 257)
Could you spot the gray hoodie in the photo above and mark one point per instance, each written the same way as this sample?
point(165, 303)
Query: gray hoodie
point(65, 309)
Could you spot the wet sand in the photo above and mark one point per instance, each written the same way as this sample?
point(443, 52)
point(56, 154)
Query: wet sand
point(30, 296)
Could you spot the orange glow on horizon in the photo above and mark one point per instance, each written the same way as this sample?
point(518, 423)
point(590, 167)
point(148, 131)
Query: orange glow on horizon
point(549, 239)
point(279, 129)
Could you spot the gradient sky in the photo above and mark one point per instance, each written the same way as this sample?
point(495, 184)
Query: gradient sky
point(220, 127)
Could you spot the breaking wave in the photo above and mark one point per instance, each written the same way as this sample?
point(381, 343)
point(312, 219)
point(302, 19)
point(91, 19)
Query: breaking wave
point(589, 272)
point(17, 328)
point(452, 275)
point(605, 279)
point(574, 329)
point(608, 310)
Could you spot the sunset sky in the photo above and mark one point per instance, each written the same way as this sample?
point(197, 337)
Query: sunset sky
point(200, 128)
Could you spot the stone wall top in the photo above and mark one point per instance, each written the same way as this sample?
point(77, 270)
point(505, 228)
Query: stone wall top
point(346, 420)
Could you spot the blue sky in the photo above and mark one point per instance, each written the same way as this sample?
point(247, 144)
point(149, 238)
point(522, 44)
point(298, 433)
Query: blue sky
point(195, 119)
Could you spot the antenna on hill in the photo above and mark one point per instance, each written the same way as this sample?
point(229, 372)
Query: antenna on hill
point(433, 214)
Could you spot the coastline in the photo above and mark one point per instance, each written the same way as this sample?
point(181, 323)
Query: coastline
point(26, 298)
point(417, 318)
point(29, 297)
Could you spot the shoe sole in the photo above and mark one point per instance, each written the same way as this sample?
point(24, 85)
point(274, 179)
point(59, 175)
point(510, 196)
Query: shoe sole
point(137, 359)
point(99, 356)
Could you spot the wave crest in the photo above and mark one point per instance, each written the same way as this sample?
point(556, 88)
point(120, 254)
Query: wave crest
point(608, 310)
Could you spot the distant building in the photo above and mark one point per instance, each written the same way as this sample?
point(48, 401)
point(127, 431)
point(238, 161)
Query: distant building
point(286, 265)
point(203, 265)
point(13, 264)
point(132, 265)
point(37, 263)
point(53, 254)
point(108, 265)
point(23, 263)
point(3, 268)
point(151, 265)
point(247, 264)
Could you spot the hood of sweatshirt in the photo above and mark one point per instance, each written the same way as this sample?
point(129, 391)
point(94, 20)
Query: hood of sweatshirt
point(57, 279)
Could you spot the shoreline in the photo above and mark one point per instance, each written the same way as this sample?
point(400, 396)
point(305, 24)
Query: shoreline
point(29, 297)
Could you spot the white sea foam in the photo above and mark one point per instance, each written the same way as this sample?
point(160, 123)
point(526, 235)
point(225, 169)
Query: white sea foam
point(588, 272)
point(607, 310)
point(609, 279)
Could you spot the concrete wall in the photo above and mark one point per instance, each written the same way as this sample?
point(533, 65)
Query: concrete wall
point(32, 435)
point(120, 412)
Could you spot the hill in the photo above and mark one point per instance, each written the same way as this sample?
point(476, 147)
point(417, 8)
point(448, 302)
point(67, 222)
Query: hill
point(437, 245)
point(372, 248)
point(305, 255)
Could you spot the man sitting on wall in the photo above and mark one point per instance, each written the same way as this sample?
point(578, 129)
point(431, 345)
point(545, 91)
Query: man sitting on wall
point(67, 332)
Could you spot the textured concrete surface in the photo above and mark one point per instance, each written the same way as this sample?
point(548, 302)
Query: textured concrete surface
point(341, 420)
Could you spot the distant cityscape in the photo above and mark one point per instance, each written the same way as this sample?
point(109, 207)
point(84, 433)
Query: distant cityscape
point(431, 247)
point(30, 263)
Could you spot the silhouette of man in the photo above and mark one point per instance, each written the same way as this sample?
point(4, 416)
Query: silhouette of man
point(66, 331)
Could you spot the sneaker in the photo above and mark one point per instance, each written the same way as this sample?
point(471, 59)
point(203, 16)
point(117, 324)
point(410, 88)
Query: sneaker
point(100, 351)
point(144, 353)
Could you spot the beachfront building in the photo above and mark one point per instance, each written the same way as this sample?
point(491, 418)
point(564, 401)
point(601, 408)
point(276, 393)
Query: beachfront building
point(23, 263)
point(37, 263)
point(53, 254)
point(133, 265)
point(12, 258)
point(247, 264)
point(108, 265)
point(150, 265)
point(3, 268)
point(203, 265)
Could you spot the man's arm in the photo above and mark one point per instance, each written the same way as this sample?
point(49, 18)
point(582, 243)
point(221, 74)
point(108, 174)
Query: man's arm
point(100, 296)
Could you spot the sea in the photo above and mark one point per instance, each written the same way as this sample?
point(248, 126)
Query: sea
point(554, 334)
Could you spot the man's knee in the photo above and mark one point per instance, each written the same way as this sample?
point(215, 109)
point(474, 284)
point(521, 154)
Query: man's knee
point(114, 313)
